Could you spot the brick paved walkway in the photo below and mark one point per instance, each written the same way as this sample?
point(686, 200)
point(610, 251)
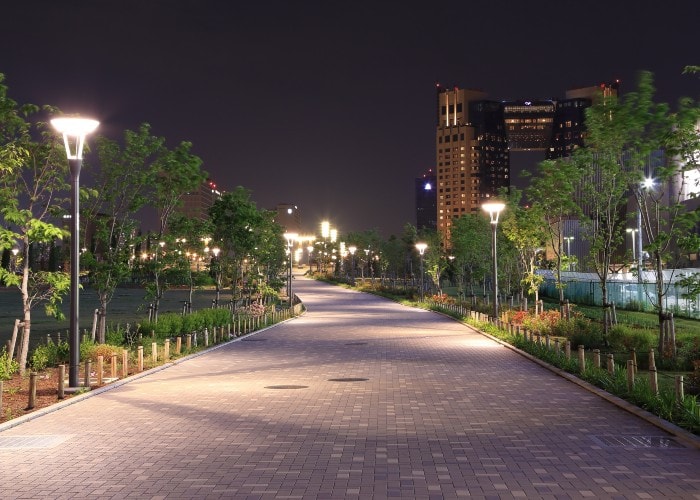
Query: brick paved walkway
point(359, 398)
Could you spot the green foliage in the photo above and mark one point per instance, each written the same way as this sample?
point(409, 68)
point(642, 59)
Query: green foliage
point(49, 355)
point(8, 366)
point(172, 324)
point(624, 337)
point(90, 350)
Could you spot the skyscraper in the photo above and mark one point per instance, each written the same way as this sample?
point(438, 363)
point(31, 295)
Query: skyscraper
point(426, 201)
point(472, 154)
point(196, 204)
point(475, 136)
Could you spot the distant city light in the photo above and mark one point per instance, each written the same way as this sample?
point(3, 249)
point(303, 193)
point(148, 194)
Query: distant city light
point(428, 186)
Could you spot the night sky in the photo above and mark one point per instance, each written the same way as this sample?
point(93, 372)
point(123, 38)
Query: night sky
point(328, 105)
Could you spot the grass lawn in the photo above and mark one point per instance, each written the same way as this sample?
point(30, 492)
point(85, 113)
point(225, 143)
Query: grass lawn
point(128, 306)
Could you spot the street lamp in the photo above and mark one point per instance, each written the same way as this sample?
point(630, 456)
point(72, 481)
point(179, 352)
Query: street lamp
point(633, 232)
point(217, 273)
point(352, 249)
point(421, 250)
point(291, 238)
point(310, 250)
point(568, 248)
point(494, 209)
point(74, 131)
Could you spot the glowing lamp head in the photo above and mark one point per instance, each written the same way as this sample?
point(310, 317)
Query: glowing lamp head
point(494, 208)
point(421, 247)
point(74, 131)
point(291, 238)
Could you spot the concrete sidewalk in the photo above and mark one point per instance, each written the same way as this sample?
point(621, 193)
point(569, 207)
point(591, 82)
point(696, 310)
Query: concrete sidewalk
point(358, 398)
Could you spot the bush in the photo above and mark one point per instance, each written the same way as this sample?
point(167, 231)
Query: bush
point(49, 355)
point(90, 350)
point(8, 366)
point(624, 337)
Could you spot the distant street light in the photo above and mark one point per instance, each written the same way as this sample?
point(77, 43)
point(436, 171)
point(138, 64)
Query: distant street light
point(421, 250)
point(633, 232)
point(494, 209)
point(291, 238)
point(352, 249)
point(310, 250)
point(568, 248)
point(74, 131)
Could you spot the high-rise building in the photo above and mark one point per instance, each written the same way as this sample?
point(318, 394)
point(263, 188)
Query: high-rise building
point(472, 154)
point(426, 201)
point(196, 204)
point(475, 137)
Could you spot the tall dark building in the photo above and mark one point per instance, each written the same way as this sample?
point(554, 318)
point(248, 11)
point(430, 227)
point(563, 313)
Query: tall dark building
point(472, 154)
point(568, 131)
point(475, 137)
point(196, 204)
point(426, 201)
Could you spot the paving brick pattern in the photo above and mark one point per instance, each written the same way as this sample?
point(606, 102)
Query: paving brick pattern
point(444, 412)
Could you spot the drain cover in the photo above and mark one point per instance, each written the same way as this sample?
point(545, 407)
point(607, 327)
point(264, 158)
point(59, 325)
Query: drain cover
point(356, 343)
point(638, 441)
point(348, 379)
point(287, 387)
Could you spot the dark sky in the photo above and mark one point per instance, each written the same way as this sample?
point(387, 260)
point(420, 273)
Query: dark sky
point(328, 105)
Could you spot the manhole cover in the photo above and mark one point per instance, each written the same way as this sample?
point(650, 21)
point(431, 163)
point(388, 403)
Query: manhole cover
point(253, 340)
point(25, 442)
point(348, 379)
point(356, 343)
point(638, 441)
point(287, 387)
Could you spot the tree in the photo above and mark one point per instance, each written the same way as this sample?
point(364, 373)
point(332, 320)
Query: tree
point(611, 128)
point(522, 226)
point(551, 189)
point(470, 238)
point(191, 239)
point(123, 182)
point(34, 175)
point(667, 222)
point(235, 220)
point(435, 259)
point(177, 172)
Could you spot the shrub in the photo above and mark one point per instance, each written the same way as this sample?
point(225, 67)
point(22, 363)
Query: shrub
point(8, 366)
point(48, 355)
point(92, 351)
point(624, 337)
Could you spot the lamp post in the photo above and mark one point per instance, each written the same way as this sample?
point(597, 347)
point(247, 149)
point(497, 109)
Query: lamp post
point(421, 250)
point(309, 250)
point(568, 248)
point(291, 238)
point(633, 232)
point(13, 267)
point(352, 249)
point(74, 131)
point(494, 209)
point(217, 274)
point(647, 184)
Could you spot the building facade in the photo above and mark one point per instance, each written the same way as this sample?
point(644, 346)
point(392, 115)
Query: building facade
point(472, 154)
point(426, 201)
point(196, 204)
point(475, 136)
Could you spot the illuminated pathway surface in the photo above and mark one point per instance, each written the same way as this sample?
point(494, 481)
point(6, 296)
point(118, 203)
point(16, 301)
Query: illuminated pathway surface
point(358, 398)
